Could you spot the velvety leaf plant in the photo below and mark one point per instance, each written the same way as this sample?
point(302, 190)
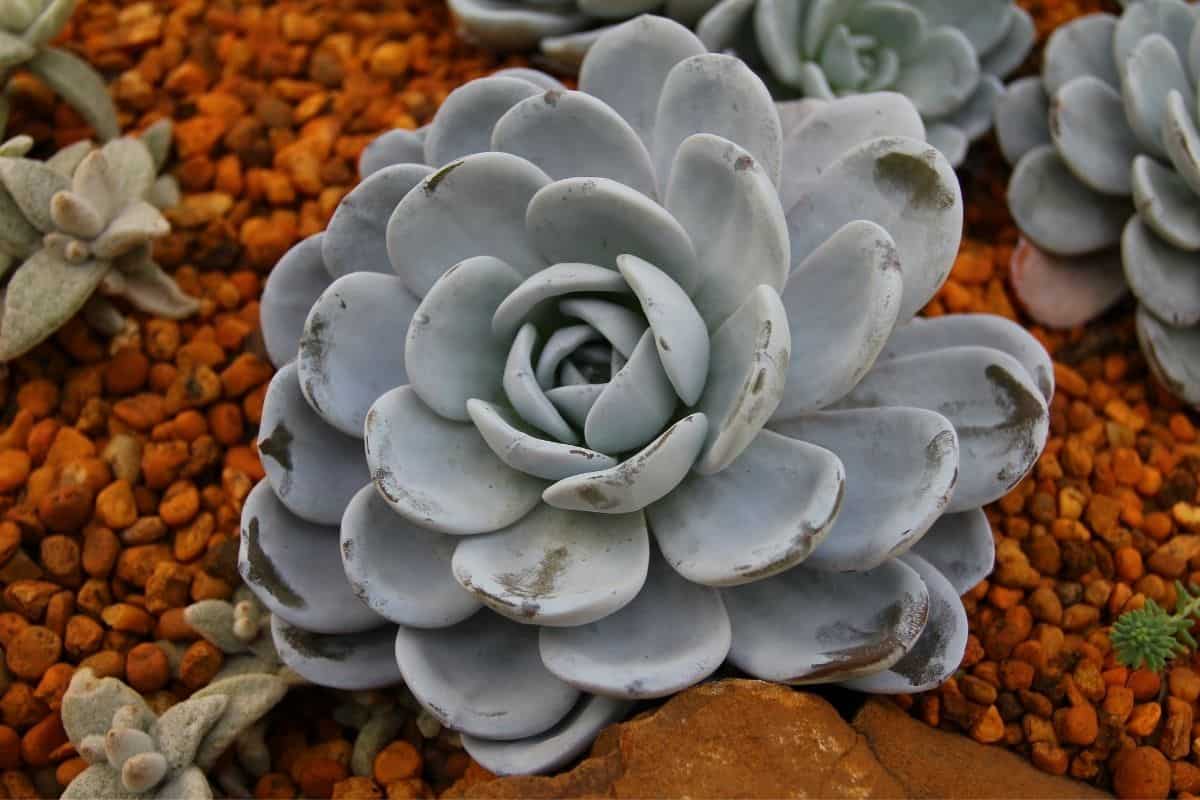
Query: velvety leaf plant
point(583, 392)
point(79, 228)
point(947, 56)
point(1107, 177)
point(26, 28)
point(135, 754)
point(240, 630)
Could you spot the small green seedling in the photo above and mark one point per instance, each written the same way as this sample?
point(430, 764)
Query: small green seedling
point(1150, 637)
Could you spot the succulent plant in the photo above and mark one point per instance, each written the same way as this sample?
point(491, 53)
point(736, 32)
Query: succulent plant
point(240, 630)
point(1149, 637)
point(79, 223)
point(134, 754)
point(947, 56)
point(562, 30)
point(26, 27)
point(582, 392)
point(1107, 173)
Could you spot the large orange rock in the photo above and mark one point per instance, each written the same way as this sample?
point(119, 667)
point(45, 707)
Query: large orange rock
point(749, 739)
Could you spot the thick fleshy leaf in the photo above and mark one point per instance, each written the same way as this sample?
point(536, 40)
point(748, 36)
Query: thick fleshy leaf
point(727, 22)
point(1065, 292)
point(942, 75)
point(1173, 355)
point(401, 570)
point(622, 327)
point(1153, 70)
point(483, 677)
point(961, 547)
point(356, 238)
point(938, 651)
point(294, 568)
point(77, 82)
point(842, 303)
point(245, 699)
point(557, 568)
point(73, 216)
point(149, 288)
point(1174, 20)
point(191, 783)
point(1022, 118)
point(41, 296)
point(90, 702)
point(925, 334)
point(424, 465)
point(101, 780)
point(32, 184)
point(730, 208)
point(854, 623)
point(1166, 203)
point(673, 635)
point(996, 408)
point(642, 479)
point(1182, 141)
point(350, 661)
point(18, 237)
point(635, 405)
point(289, 293)
point(559, 345)
point(553, 749)
point(1082, 46)
point(781, 495)
point(526, 395)
point(1057, 211)
point(594, 220)
point(1011, 51)
point(751, 352)
point(554, 281)
point(572, 134)
point(313, 468)
point(983, 22)
point(133, 227)
point(950, 140)
point(1164, 278)
point(778, 26)
point(115, 176)
point(396, 147)
point(472, 207)
point(678, 329)
point(450, 352)
point(506, 26)
point(900, 469)
point(1099, 155)
point(507, 435)
point(339, 375)
point(833, 128)
point(628, 67)
point(565, 53)
point(575, 398)
point(718, 95)
point(463, 123)
point(906, 187)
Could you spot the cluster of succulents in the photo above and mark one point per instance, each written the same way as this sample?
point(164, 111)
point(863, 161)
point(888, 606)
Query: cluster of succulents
point(26, 28)
point(78, 229)
point(132, 753)
point(1107, 178)
point(582, 393)
point(947, 56)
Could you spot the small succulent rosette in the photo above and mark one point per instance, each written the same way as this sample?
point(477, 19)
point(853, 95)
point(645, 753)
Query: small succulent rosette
point(562, 30)
point(1106, 189)
point(79, 228)
point(947, 56)
point(135, 754)
point(26, 28)
point(587, 391)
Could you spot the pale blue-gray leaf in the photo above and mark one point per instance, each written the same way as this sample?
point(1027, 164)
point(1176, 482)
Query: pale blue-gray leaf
point(506, 433)
point(1082, 46)
point(942, 75)
point(1153, 70)
point(290, 291)
point(526, 395)
point(1174, 20)
point(559, 345)
point(621, 327)
point(1166, 203)
point(1163, 277)
point(504, 26)
point(396, 147)
point(778, 27)
point(1182, 141)
point(1011, 51)
point(635, 405)
point(1062, 292)
point(575, 398)
point(1022, 118)
point(463, 123)
point(1099, 155)
point(1173, 355)
point(961, 547)
point(554, 281)
point(356, 237)
point(350, 661)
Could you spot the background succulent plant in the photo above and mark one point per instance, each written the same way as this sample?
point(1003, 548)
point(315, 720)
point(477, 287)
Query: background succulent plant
point(26, 28)
point(241, 630)
point(660, 387)
point(135, 754)
point(563, 30)
point(79, 223)
point(947, 56)
point(1107, 177)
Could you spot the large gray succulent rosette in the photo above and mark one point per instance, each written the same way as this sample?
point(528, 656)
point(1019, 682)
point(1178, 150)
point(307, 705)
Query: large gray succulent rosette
point(947, 56)
point(562, 30)
point(585, 392)
point(1107, 178)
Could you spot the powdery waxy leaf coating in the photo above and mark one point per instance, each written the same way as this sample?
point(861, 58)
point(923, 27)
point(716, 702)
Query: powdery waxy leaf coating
point(630, 327)
point(1109, 208)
